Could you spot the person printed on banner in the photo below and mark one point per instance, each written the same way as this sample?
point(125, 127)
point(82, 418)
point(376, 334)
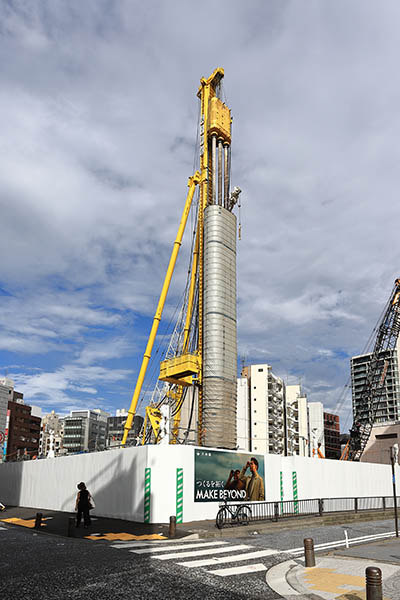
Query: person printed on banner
point(254, 483)
point(233, 482)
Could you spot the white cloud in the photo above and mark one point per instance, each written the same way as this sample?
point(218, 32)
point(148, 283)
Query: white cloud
point(98, 114)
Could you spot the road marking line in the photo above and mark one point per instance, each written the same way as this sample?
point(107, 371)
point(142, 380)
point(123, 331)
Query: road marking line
point(326, 545)
point(153, 543)
point(227, 559)
point(255, 568)
point(169, 548)
point(202, 552)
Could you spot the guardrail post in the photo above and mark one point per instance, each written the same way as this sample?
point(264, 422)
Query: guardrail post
point(373, 580)
point(172, 527)
point(276, 511)
point(321, 506)
point(309, 554)
point(384, 503)
point(38, 520)
point(355, 505)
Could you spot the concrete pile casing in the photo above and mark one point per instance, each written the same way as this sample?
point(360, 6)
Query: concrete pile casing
point(220, 328)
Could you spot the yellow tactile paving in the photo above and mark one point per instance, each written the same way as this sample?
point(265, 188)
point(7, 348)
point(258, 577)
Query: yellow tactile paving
point(125, 537)
point(329, 580)
point(23, 522)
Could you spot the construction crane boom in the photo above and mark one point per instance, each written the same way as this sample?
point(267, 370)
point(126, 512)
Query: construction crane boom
point(193, 181)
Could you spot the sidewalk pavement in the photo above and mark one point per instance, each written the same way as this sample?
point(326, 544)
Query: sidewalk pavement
point(101, 528)
point(339, 575)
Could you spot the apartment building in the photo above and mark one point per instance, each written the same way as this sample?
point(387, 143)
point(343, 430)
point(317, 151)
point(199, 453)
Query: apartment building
point(316, 430)
point(115, 429)
point(260, 414)
point(297, 436)
point(23, 431)
point(388, 371)
point(85, 430)
point(52, 435)
point(332, 435)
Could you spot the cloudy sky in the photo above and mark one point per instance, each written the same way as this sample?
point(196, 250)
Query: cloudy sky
point(98, 116)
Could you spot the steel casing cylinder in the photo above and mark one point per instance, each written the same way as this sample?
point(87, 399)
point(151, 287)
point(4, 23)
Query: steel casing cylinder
point(219, 333)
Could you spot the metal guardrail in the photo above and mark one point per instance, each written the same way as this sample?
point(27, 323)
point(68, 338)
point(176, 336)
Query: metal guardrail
point(274, 511)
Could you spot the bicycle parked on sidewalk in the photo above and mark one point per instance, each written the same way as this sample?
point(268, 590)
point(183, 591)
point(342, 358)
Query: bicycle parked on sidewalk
point(240, 514)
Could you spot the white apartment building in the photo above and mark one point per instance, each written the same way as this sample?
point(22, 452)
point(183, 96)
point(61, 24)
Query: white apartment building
point(316, 431)
point(260, 411)
point(243, 414)
point(297, 421)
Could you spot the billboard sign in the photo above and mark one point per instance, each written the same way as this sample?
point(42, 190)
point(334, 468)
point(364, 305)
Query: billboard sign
point(219, 475)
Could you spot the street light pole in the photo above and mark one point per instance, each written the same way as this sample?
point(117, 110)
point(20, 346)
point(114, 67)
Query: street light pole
point(394, 451)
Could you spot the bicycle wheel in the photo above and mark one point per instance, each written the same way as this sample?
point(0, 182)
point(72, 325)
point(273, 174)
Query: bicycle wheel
point(222, 517)
point(243, 515)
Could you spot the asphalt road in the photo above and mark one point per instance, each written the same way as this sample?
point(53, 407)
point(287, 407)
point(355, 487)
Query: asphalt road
point(38, 565)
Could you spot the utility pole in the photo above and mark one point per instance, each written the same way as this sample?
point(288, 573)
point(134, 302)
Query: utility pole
point(394, 452)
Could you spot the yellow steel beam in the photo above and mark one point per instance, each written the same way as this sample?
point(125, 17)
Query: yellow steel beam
point(177, 418)
point(192, 289)
point(193, 181)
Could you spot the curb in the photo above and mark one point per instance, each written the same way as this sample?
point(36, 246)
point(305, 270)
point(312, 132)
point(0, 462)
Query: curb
point(276, 579)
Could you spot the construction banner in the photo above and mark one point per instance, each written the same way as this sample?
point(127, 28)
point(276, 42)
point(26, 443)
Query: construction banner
point(220, 476)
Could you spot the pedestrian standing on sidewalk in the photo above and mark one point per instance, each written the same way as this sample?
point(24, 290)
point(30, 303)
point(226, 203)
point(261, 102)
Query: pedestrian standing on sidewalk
point(83, 505)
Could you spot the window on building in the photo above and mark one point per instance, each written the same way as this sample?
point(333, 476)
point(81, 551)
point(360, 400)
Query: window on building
point(260, 370)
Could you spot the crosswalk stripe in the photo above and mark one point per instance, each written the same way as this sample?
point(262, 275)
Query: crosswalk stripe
point(202, 552)
point(227, 559)
point(150, 550)
point(153, 543)
point(254, 568)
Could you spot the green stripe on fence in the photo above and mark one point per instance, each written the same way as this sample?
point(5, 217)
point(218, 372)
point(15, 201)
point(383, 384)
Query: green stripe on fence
point(147, 494)
point(179, 495)
point(295, 494)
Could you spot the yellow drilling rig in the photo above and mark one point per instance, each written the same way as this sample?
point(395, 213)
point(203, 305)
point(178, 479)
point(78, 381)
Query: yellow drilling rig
point(201, 361)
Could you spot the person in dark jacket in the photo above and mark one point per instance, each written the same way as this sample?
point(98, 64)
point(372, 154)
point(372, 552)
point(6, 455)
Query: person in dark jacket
point(82, 505)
